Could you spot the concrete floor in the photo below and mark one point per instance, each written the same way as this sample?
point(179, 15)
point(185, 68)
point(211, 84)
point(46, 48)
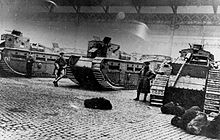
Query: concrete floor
point(33, 109)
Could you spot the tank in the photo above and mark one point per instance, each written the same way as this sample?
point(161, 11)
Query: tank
point(105, 67)
point(14, 49)
point(190, 80)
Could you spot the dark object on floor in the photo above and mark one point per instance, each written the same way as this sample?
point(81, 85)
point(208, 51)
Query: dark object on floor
point(51, 114)
point(173, 109)
point(181, 121)
point(213, 128)
point(177, 121)
point(98, 103)
point(19, 110)
point(197, 124)
point(168, 108)
point(194, 108)
point(189, 115)
point(179, 110)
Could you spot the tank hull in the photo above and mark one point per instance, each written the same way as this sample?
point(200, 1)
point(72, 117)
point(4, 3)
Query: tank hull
point(187, 88)
point(13, 63)
point(193, 81)
point(104, 73)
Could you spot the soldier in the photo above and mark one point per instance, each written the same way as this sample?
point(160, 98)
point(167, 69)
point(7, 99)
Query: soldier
point(145, 77)
point(29, 63)
point(60, 66)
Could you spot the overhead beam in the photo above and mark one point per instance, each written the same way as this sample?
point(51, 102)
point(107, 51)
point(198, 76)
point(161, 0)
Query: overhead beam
point(106, 9)
point(76, 8)
point(138, 9)
point(174, 9)
point(150, 18)
point(130, 2)
point(215, 4)
point(137, 5)
point(118, 2)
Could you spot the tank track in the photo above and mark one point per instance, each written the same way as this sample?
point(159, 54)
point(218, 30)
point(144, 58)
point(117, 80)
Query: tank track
point(101, 79)
point(212, 96)
point(158, 89)
point(94, 79)
point(70, 75)
point(103, 82)
point(7, 71)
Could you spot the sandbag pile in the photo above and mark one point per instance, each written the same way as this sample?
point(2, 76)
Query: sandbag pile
point(173, 109)
point(212, 130)
point(181, 121)
point(195, 122)
point(98, 103)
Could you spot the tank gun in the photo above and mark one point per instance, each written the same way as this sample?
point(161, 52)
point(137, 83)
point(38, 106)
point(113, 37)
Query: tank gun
point(198, 55)
point(104, 48)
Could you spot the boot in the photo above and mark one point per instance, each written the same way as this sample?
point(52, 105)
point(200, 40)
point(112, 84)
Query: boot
point(145, 97)
point(138, 95)
point(55, 83)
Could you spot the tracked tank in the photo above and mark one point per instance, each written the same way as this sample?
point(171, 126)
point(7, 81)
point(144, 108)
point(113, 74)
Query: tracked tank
point(106, 67)
point(14, 50)
point(189, 80)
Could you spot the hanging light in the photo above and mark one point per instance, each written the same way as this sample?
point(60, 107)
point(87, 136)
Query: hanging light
point(120, 16)
point(50, 5)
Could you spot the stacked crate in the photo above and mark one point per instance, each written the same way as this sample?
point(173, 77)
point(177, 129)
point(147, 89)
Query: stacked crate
point(158, 89)
point(212, 97)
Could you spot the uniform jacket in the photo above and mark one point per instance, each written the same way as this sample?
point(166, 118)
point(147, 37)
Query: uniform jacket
point(145, 77)
point(61, 62)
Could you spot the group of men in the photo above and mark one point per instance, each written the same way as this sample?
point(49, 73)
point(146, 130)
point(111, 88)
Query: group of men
point(59, 71)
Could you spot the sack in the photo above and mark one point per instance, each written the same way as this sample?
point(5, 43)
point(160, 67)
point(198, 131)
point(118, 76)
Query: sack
point(98, 103)
point(196, 125)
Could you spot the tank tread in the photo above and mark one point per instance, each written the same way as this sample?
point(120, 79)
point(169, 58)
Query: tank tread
point(103, 82)
point(70, 75)
point(158, 89)
point(6, 71)
point(100, 78)
point(212, 92)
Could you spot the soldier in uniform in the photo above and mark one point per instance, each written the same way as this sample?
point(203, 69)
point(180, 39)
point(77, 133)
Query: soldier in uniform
point(145, 77)
point(60, 66)
point(29, 64)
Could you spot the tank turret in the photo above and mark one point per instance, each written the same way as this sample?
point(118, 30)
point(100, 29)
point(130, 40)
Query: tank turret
point(197, 52)
point(15, 40)
point(103, 48)
point(14, 50)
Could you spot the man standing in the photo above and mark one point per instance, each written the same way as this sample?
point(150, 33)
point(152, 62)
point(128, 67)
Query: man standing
point(145, 77)
point(29, 64)
point(60, 66)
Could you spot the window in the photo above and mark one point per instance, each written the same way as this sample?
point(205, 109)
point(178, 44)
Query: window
point(40, 58)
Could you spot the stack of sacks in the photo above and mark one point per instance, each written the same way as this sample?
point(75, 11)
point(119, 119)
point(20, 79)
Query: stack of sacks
point(173, 109)
point(193, 121)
